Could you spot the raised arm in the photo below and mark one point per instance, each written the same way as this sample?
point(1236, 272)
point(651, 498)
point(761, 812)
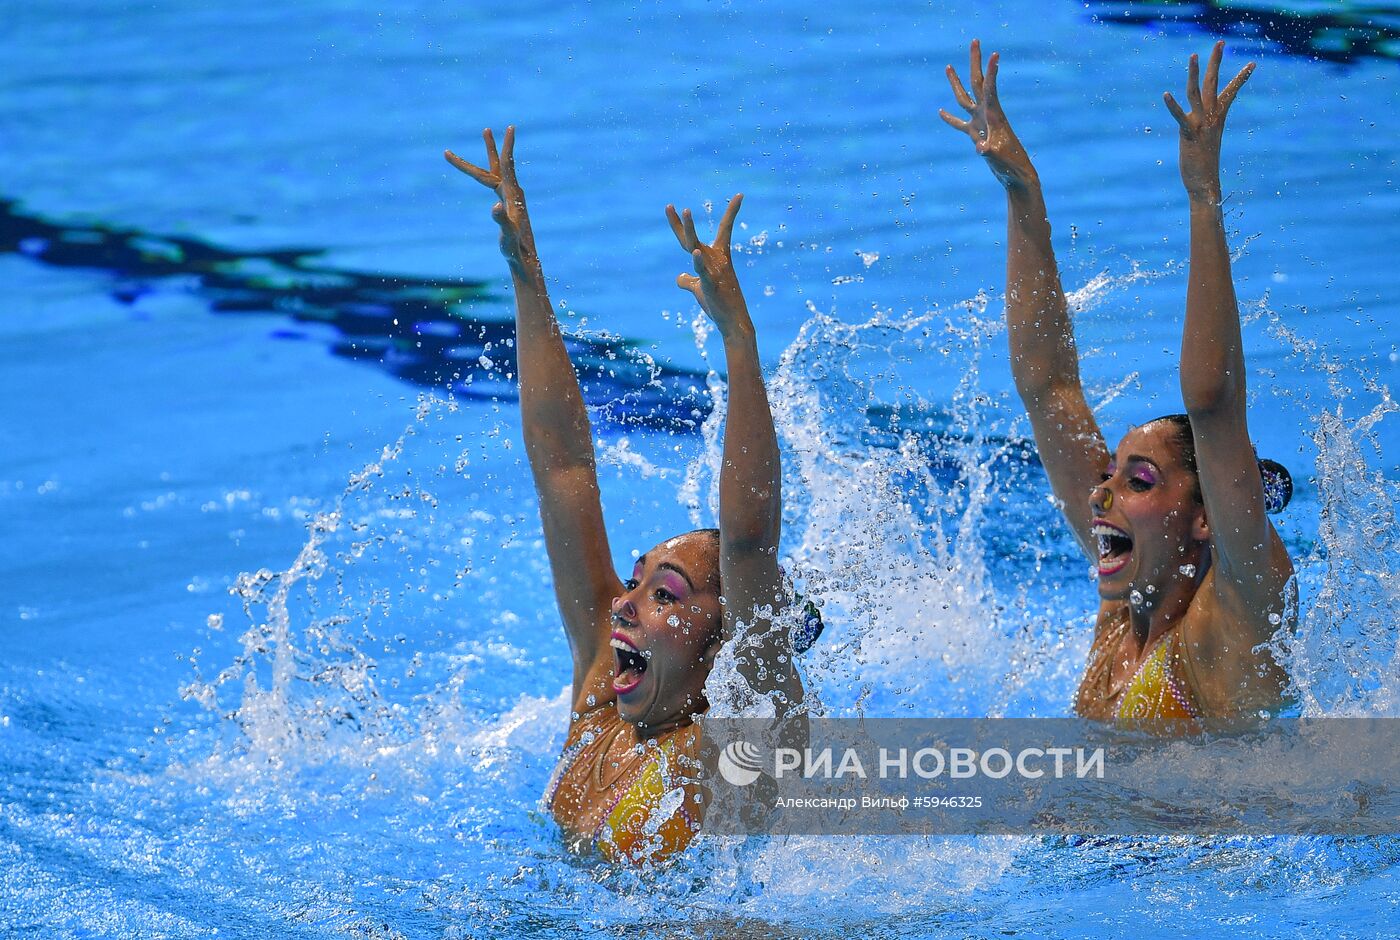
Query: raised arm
point(1044, 358)
point(1247, 555)
point(750, 483)
point(558, 438)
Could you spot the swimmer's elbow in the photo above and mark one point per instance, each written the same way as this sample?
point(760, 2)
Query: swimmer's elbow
point(1045, 394)
point(1210, 392)
point(748, 541)
point(749, 517)
point(1033, 388)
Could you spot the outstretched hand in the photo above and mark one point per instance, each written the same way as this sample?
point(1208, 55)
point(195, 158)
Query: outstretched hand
point(517, 239)
point(1202, 127)
point(991, 133)
point(714, 283)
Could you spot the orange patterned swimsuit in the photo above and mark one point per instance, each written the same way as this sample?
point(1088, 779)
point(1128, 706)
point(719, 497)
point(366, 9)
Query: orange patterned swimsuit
point(650, 813)
point(1158, 697)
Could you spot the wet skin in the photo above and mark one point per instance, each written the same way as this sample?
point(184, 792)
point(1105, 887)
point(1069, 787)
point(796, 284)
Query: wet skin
point(1154, 541)
point(643, 648)
point(1163, 565)
point(665, 633)
point(1157, 569)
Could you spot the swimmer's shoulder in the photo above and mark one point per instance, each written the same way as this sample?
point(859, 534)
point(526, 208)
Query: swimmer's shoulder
point(592, 722)
point(1226, 660)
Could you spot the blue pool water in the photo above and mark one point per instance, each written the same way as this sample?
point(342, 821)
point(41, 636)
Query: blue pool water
point(281, 653)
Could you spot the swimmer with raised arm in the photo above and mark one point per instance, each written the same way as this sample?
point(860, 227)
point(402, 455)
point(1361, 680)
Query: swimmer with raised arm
point(643, 646)
point(1193, 580)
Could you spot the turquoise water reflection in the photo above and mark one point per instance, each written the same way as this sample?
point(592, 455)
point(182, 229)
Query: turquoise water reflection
point(382, 780)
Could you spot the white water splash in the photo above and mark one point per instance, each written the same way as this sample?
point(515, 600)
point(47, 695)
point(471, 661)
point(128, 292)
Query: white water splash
point(913, 515)
point(621, 455)
point(699, 490)
point(1343, 657)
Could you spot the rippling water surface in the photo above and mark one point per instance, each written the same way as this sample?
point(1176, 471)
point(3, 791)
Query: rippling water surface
point(281, 651)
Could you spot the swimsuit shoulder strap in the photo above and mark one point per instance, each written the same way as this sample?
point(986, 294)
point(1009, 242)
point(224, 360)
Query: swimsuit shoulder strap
point(1185, 671)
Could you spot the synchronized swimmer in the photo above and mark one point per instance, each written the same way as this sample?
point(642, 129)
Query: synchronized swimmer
point(1193, 580)
point(643, 646)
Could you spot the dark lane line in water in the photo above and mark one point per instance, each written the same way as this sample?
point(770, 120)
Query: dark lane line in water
point(1341, 33)
point(420, 330)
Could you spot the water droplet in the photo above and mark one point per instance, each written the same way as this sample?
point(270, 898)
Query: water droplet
point(1188, 570)
point(1135, 598)
point(1275, 619)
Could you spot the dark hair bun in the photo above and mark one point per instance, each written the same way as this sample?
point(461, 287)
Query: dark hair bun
point(805, 634)
point(1278, 485)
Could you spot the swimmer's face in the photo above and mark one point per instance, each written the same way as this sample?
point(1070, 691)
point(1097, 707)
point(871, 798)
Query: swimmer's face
point(1151, 529)
point(666, 631)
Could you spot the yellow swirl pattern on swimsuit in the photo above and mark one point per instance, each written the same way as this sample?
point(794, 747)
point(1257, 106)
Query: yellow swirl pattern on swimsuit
point(652, 811)
point(1158, 698)
point(650, 820)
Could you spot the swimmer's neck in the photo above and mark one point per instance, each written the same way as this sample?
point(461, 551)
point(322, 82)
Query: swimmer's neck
point(646, 731)
point(1164, 607)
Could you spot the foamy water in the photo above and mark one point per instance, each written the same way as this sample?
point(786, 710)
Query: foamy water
point(947, 582)
point(282, 654)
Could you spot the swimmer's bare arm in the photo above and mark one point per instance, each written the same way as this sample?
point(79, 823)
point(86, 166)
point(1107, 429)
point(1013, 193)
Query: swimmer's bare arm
point(1250, 564)
point(558, 437)
point(750, 483)
point(1044, 358)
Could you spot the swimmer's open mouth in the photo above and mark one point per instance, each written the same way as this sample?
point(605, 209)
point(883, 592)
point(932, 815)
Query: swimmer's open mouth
point(1115, 547)
point(631, 664)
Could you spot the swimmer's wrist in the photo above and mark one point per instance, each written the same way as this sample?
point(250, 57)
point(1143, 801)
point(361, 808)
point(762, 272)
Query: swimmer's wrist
point(1205, 198)
point(1027, 183)
point(525, 271)
point(1026, 202)
point(737, 328)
